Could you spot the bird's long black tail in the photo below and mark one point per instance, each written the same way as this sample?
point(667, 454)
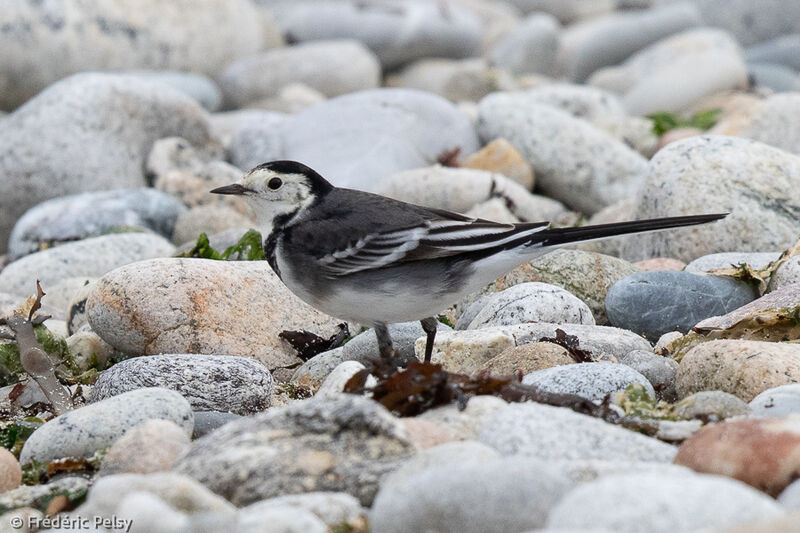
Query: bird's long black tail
point(558, 236)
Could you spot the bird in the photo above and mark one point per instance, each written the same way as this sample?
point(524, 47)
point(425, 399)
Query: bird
point(376, 261)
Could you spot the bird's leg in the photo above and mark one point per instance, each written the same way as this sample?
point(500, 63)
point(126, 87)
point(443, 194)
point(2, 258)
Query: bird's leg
point(384, 340)
point(429, 326)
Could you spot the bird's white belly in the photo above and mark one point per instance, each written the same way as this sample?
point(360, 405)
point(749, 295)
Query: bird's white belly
point(393, 300)
point(389, 303)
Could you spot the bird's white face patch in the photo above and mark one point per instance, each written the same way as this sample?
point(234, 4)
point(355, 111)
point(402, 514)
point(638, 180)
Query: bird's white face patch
point(275, 193)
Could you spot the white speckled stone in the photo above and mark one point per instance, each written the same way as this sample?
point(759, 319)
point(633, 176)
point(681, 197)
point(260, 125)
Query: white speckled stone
point(558, 433)
point(574, 162)
point(82, 432)
point(461, 189)
point(661, 503)
point(209, 382)
point(90, 257)
point(594, 381)
point(397, 129)
point(752, 181)
point(530, 302)
point(331, 67)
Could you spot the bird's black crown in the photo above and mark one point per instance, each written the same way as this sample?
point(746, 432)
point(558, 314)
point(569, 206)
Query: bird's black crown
point(319, 185)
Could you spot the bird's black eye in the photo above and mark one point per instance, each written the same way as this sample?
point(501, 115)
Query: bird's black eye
point(275, 184)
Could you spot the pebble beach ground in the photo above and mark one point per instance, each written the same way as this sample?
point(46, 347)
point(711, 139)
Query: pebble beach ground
point(162, 394)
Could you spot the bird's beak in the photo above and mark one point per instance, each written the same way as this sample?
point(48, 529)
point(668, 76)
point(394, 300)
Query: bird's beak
point(234, 188)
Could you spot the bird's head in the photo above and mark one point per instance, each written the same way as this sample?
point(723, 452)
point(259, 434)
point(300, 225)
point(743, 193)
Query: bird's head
point(278, 188)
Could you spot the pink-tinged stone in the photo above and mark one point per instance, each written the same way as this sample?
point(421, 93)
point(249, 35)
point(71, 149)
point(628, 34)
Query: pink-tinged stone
point(764, 453)
point(660, 263)
point(743, 368)
point(426, 434)
point(10, 471)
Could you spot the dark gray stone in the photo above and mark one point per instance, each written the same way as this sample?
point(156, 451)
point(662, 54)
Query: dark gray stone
point(656, 302)
point(75, 217)
point(504, 495)
point(207, 421)
point(659, 370)
point(344, 443)
point(591, 380)
point(209, 382)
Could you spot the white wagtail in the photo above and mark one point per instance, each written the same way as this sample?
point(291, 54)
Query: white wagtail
point(374, 260)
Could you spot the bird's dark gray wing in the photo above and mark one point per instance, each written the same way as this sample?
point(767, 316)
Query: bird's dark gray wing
point(396, 232)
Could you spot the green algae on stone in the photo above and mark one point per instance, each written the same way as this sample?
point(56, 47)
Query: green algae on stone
point(249, 248)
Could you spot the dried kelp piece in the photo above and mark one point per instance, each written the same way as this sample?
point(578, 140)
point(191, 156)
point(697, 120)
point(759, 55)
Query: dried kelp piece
point(308, 344)
point(572, 344)
point(421, 386)
point(70, 465)
point(759, 277)
point(449, 158)
point(35, 359)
